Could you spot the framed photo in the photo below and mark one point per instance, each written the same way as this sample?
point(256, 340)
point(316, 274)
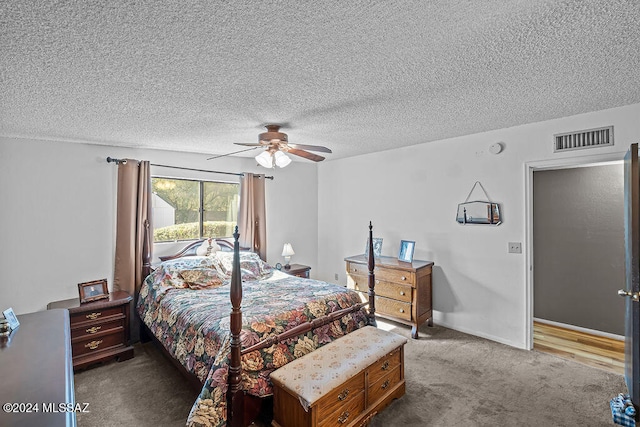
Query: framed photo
point(406, 250)
point(11, 318)
point(377, 247)
point(93, 291)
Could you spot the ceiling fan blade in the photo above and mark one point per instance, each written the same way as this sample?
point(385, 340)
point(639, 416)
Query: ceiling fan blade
point(249, 144)
point(311, 147)
point(305, 154)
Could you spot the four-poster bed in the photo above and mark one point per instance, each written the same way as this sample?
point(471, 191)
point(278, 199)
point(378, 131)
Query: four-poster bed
point(180, 305)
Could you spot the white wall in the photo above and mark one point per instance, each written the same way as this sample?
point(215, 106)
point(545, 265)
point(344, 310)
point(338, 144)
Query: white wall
point(57, 213)
point(412, 193)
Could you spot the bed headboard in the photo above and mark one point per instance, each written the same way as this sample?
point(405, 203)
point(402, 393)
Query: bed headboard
point(190, 249)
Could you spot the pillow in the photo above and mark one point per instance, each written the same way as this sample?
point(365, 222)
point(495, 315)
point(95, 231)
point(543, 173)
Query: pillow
point(252, 267)
point(201, 278)
point(207, 248)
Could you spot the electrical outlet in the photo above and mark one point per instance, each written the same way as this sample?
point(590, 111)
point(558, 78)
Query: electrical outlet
point(515, 247)
point(335, 276)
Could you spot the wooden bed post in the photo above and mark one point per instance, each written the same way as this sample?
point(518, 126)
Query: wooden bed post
point(372, 280)
point(235, 394)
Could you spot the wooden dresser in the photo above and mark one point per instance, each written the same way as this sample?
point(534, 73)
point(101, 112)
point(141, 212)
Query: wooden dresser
point(403, 290)
point(99, 329)
point(36, 370)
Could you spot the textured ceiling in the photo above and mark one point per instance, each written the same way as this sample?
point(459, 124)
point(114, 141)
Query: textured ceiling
point(356, 76)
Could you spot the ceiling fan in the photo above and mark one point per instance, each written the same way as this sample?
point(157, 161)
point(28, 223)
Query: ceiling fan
point(276, 145)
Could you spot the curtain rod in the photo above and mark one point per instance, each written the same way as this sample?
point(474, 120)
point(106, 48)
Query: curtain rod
point(124, 161)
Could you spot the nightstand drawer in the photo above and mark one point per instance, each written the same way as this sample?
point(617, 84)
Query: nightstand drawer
point(97, 343)
point(95, 315)
point(97, 328)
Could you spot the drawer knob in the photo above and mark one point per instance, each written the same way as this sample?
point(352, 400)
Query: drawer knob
point(385, 385)
point(402, 310)
point(344, 394)
point(93, 316)
point(403, 278)
point(94, 329)
point(343, 417)
point(377, 282)
point(385, 365)
point(93, 345)
point(401, 292)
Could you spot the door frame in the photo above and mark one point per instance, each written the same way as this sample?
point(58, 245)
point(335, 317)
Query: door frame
point(540, 165)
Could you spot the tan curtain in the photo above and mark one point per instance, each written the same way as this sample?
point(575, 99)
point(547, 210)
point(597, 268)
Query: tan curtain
point(252, 223)
point(134, 240)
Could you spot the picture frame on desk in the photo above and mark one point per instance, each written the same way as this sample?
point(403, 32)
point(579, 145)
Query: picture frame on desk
point(407, 247)
point(93, 291)
point(11, 317)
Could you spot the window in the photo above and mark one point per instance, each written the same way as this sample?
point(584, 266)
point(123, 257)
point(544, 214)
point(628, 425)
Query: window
point(187, 209)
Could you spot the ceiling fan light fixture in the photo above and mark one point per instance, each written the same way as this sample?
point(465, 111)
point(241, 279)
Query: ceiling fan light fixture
point(265, 159)
point(281, 159)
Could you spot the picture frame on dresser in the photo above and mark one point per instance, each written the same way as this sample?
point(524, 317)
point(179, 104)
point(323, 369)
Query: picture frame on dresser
point(377, 247)
point(93, 291)
point(407, 248)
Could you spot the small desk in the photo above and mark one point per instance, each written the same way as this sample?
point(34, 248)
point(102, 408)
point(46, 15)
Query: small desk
point(35, 367)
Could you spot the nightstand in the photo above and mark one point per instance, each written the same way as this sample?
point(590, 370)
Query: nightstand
point(298, 270)
point(99, 329)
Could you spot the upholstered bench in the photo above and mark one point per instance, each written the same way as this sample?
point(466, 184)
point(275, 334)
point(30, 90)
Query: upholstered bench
point(344, 383)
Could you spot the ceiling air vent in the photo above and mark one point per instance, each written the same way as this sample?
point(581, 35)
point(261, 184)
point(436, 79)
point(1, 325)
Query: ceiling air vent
point(583, 139)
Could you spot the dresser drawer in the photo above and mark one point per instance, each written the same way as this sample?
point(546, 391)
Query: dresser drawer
point(383, 274)
point(384, 384)
point(97, 344)
point(391, 290)
point(391, 307)
point(339, 396)
point(343, 414)
point(93, 315)
point(97, 328)
point(384, 366)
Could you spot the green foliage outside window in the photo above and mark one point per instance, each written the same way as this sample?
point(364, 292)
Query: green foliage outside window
point(217, 211)
point(187, 231)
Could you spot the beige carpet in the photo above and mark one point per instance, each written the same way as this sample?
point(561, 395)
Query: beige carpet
point(452, 379)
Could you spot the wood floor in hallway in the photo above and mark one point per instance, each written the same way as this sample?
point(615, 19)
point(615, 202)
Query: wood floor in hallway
point(593, 350)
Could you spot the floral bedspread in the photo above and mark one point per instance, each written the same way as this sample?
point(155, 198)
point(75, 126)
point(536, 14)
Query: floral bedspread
point(185, 303)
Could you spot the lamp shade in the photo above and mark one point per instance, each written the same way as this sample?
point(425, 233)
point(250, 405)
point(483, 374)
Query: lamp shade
point(287, 250)
point(281, 159)
point(265, 159)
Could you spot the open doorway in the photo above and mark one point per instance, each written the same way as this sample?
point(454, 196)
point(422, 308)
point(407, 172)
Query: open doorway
point(577, 263)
